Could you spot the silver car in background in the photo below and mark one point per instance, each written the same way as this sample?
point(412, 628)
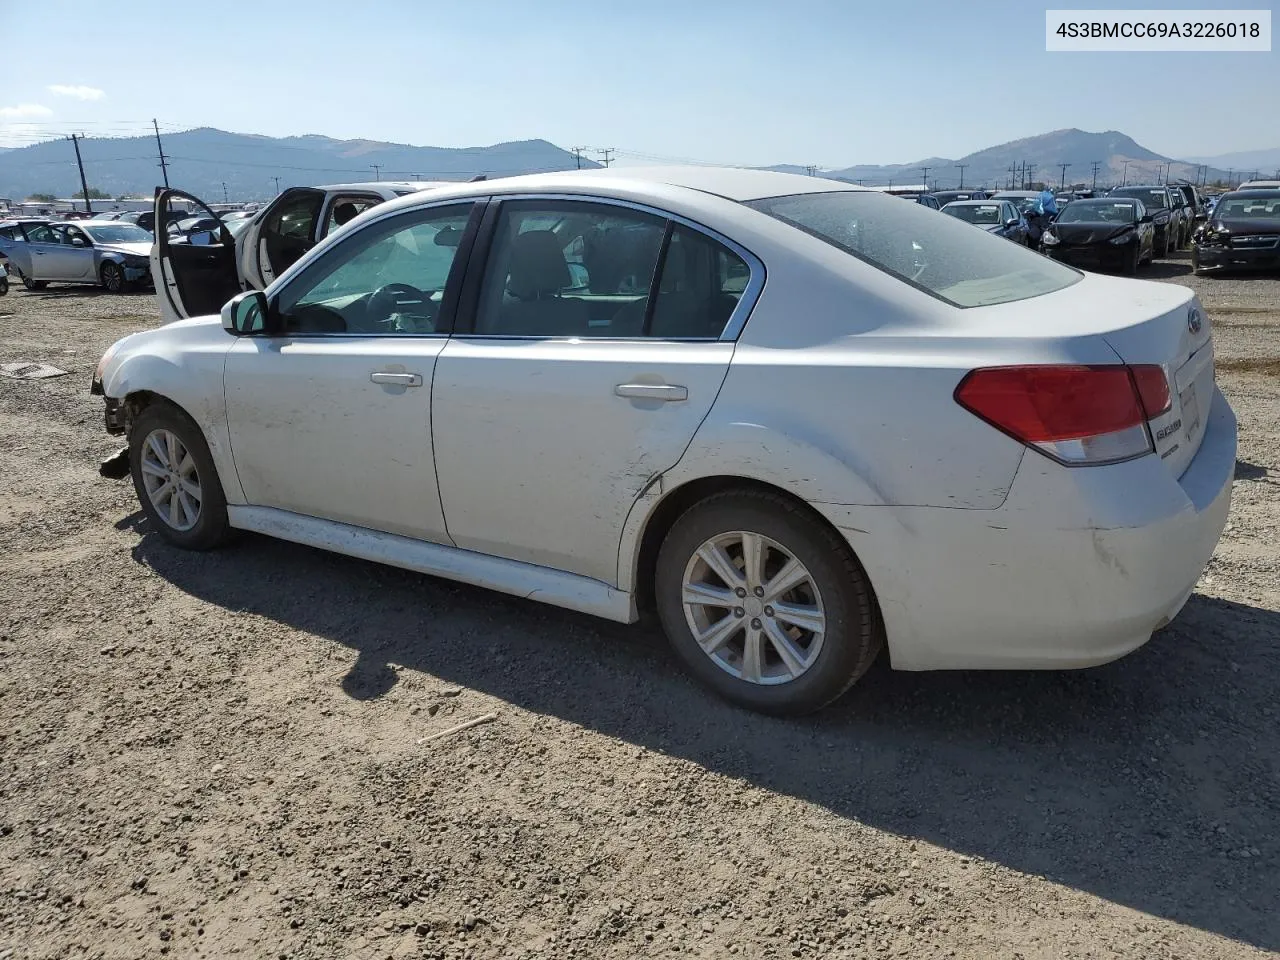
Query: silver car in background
point(112, 254)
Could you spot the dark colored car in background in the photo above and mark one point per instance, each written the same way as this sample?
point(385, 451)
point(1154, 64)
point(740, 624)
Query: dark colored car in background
point(1000, 217)
point(1242, 233)
point(1193, 196)
point(1159, 203)
point(1113, 233)
point(1025, 201)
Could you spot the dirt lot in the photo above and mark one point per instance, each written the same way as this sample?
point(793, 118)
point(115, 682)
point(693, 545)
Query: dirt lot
point(222, 754)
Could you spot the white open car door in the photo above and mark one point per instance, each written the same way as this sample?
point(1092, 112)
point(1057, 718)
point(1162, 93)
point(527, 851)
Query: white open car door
point(194, 275)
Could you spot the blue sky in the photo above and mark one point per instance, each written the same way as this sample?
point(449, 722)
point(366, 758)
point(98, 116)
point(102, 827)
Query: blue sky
point(734, 81)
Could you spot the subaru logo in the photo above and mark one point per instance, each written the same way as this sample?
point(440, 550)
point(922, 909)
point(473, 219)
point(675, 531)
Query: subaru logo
point(1194, 320)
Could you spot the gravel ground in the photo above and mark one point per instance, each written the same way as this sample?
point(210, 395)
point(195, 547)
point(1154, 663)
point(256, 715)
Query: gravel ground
point(226, 754)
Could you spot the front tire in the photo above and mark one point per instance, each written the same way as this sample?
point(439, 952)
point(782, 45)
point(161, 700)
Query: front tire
point(113, 278)
point(765, 604)
point(34, 284)
point(175, 479)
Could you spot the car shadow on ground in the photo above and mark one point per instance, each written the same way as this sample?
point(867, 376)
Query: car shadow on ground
point(1151, 782)
point(82, 291)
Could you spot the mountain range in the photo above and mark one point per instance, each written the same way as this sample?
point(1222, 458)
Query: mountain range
point(1119, 159)
point(204, 161)
point(216, 165)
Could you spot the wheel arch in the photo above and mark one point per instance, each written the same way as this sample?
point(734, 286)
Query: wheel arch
point(140, 380)
point(663, 514)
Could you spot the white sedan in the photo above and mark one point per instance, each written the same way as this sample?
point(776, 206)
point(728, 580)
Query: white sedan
point(800, 420)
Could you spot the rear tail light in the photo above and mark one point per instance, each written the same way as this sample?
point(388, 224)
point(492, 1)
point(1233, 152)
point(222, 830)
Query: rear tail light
point(1075, 414)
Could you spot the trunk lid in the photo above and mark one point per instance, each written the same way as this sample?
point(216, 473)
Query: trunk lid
point(1181, 341)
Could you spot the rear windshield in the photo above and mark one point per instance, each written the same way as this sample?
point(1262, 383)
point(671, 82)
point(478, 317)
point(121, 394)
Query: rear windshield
point(986, 213)
point(1153, 197)
point(939, 255)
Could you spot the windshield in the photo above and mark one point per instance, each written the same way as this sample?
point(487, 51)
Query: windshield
point(987, 213)
point(234, 227)
point(964, 267)
point(1243, 208)
point(116, 232)
point(1153, 197)
point(1100, 211)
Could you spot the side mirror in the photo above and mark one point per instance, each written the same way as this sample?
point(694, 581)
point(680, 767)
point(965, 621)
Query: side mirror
point(1146, 219)
point(245, 313)
point(1011, 222)
point(77, 241)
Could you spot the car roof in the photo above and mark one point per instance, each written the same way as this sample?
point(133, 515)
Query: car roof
point(1252, 184)
point(974, 203)
point(640, 184)
point(1255, 192)
point(389, 185)
point(1140, 186)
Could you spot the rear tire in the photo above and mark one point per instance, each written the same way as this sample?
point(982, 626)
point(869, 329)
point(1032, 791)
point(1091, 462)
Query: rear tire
point(763, 658)
point(113, 278)
point(175, 479)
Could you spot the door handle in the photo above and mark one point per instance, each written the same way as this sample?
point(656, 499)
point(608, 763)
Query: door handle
point(397, 379)
point(652, 391)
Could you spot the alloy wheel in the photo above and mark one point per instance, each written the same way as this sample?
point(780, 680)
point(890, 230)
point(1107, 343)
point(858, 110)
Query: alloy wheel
point(171, 479)
point(753, 608)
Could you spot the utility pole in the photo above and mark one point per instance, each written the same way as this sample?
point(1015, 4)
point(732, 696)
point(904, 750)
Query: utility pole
point(960, 167)
point(1096, 165)
point(1062, 184)
point(416, 176)
point(159, 146)
point(925, 178)
point(277, 180)
point(577, 156)
point(377, 170)
point(84, 185)
point(225, 199)
point(606, 154)
point(1125, 178)
point(811, 170)
point(1231, 171)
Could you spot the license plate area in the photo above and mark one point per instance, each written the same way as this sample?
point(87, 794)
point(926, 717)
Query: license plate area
point(1190, 405)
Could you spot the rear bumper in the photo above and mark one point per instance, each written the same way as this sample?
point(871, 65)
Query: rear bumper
point(1078, 567)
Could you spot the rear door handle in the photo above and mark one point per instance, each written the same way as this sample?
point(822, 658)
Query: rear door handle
point(669, 392)
point(397, 379)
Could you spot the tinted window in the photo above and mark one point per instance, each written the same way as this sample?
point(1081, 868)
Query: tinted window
point(43, 234)
point(386, 278)
point(939, 255)
point(345, 209)
point(1154, 197)
point(985, 213)
point(699, 287)
point(569, 269)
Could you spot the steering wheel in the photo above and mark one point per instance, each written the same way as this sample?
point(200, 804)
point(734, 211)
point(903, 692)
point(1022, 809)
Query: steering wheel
point(392, 301)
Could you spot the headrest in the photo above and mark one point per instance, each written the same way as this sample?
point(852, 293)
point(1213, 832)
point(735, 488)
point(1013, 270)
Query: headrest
point(537, 265)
